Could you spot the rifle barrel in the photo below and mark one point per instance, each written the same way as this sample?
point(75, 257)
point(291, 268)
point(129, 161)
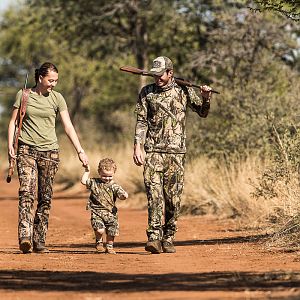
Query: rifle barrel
point(181, 81)
point(16, 136)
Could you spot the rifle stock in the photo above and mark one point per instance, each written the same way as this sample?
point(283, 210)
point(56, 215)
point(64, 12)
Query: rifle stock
point(18, 126)
point(179, 81)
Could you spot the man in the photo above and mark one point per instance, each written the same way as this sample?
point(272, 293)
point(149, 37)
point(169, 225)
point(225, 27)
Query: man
point(160, 126)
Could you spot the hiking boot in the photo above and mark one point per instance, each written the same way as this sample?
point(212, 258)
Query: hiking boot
point(40, 248)
point(153, 247)
point(110, 249)
point(168, 247)
point(99, 247)
point(25, 245)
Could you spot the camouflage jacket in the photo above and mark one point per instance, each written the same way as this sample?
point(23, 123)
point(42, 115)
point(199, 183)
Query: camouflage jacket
point(103, 195)
point(161, 116)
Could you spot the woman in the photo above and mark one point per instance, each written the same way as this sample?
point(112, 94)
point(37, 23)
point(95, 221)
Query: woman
point(38, 155)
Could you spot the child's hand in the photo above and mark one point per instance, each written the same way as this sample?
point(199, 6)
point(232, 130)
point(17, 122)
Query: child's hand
point(86, 174)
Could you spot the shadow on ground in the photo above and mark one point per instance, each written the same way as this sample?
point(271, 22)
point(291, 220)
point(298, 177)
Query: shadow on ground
point(88, 248)
point(118, 282)
point(226, 240)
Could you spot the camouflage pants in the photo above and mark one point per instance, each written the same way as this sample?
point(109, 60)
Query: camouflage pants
point(163, 177)
point(103, 219)
point(36, 171)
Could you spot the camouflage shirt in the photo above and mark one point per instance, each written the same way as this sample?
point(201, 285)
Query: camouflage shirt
point(161, 116)
point(103, 195)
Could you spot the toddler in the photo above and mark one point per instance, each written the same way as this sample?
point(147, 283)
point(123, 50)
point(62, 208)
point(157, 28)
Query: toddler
point(104, 193)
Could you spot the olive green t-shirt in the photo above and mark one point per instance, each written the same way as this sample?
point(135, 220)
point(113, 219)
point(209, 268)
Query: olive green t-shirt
point(38, 128)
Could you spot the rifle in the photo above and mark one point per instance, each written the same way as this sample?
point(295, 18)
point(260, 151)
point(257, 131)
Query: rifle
point(179, 81)
point(18, 126)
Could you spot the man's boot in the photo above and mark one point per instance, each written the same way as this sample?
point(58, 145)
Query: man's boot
point(153, 246)
point(168, 247)
point(25, 245)
point(39, 247)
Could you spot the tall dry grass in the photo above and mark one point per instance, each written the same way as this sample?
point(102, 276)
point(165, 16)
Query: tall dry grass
point(211, 187)
point(226, 190)
point(285, 218)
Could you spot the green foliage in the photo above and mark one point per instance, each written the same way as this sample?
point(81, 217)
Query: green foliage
point(217, 42)
point(243, 55)
point(91, 87)
point(288, 8)
point(99, 28)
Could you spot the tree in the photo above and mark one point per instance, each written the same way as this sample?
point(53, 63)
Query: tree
point(26, 43)
point(100, 29)
point(245, 55)
point(210, 41)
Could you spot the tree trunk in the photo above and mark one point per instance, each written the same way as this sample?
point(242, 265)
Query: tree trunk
point(141, 40)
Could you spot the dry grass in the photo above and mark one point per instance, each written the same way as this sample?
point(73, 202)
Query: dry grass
point(285, 217)
point(214, 187)
point(287, 237)
point(210, 187)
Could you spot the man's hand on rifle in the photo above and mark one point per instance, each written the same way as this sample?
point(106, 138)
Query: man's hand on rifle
point(205, 91)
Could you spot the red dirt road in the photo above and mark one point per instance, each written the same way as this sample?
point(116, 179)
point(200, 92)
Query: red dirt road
point(213, 261)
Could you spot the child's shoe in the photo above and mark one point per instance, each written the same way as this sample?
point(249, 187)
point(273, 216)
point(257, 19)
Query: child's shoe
point(99, 247)
point(110, 249)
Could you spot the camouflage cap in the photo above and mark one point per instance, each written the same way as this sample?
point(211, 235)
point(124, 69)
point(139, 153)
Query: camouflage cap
point(160, 65)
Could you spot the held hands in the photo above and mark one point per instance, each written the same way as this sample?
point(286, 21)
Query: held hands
point(205, 91)
point(83, 158)
point(86, 174)
point(86, 168)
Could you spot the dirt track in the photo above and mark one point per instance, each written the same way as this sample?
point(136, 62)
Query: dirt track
point(213, 261)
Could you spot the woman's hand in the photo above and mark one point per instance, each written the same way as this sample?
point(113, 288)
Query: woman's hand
point(71, 133)
point(84, 159)
point(11, 153)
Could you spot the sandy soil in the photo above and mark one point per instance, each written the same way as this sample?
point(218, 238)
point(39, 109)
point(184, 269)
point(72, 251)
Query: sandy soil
point(213, 259)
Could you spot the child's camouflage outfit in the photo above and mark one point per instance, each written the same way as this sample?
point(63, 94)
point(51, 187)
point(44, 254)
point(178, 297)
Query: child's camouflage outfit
point(161, 119)
point(102, 200)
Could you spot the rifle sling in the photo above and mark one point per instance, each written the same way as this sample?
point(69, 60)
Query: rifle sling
point(21, 114)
